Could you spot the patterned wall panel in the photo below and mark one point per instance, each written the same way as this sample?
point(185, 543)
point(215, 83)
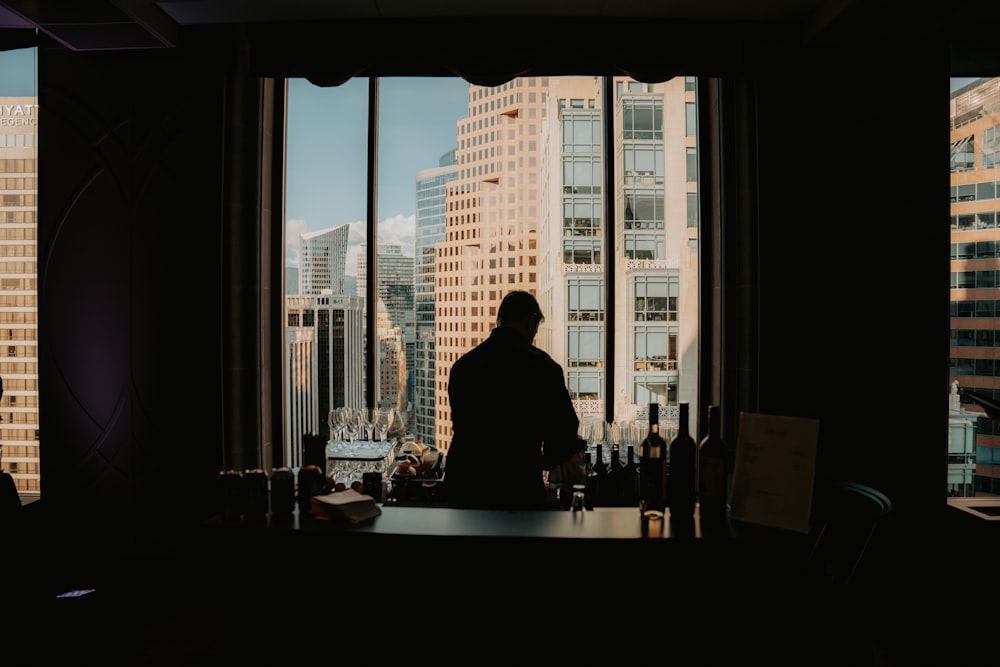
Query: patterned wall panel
point(130, 172)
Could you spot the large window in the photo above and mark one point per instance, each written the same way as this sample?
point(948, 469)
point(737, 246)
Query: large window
point(482, 190)
point(19, 118)
point(974, 438)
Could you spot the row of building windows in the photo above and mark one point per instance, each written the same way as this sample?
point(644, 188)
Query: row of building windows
point(22, 467)
point(18, 200)
point(984, 308)
point(17, 217)
point(19, 384)
point(18, 334)
point(19, 401)
point(26, 250)
point(19, 183)
point(18, 300)
point(17, 233)
point(975, 279)
point(13, 451)
point(968, 222)
point(984, 367)
point(975, 191)
point(18, 165)
point(18, 368)
point(18, 316)
point(17, 284)
point(976, 250)
point(975, 338)
point(18, 140)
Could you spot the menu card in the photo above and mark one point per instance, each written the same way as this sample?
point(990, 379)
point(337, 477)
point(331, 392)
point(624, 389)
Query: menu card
point(774, 471)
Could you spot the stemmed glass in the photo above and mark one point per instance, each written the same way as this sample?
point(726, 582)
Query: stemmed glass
point(366, 419)
point(352, 424)
point(597, 436)
point(384, 422)
point(333, 421)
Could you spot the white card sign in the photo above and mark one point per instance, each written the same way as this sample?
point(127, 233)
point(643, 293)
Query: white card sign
point(774, 471)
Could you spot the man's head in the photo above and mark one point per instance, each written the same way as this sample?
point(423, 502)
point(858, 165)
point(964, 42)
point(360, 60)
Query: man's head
point(520, 310)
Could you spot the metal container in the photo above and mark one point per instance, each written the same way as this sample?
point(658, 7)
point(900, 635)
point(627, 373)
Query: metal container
point(255, 492)
point(230, 497)
point(282, 491)
point(312, 482)
point(371, 484)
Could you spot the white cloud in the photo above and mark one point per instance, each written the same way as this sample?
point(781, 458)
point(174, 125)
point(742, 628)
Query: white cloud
point(293, 230)
point(399, 229)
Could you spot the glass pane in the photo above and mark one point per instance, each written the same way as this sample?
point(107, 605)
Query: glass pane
point(325, 212)
point(975, 120)
point(19, 120)
point(483, 190)
point(418, 141)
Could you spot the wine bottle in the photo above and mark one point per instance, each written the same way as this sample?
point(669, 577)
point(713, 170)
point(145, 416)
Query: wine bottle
point(652, 463)
point(682, 478)
point(593, 482)
point(615, 486)
point(630, 474)
point(712, 485)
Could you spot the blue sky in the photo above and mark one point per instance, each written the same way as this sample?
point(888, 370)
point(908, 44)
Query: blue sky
point(18, 73)
point(327, 151)
point(327, 148)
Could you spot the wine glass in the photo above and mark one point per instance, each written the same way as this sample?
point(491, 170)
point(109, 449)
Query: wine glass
point(352, 424)
point(375, 415)
point(597, 435)
point(365, 425)
point(333, 421)
point(384, 422)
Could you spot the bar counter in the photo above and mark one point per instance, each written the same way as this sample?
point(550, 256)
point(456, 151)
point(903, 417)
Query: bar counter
point(600, 523)
point(467, 565)
point(570, 543)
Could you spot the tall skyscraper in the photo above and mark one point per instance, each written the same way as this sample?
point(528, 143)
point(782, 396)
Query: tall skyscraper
point(323, 261)
point(396, 294)
point(392, 379)
point(323, 330)
point(974, 461)
point(323, 371)
point(430, 228)
point(525, 212)
point(19, 291)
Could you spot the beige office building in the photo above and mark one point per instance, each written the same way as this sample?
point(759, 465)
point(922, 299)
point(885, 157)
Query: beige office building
point(525, 212)
point(19, 292)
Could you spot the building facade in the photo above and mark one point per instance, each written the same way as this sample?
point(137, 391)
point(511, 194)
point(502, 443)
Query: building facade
point(19, 434)
point(430, 229)
point(975, 285)
point(323, 261)
point(322, 371)
point(526, 212)
point(396, 289)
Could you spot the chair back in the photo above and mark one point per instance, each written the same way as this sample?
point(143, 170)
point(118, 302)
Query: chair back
point(850, 519)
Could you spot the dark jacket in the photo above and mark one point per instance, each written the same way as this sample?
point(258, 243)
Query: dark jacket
point(510, 407)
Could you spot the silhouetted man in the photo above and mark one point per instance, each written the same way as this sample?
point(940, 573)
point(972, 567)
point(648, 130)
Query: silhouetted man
point(512, 415)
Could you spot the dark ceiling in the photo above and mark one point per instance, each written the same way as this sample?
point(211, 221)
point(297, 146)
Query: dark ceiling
point(85, 25)
point(287, 33)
